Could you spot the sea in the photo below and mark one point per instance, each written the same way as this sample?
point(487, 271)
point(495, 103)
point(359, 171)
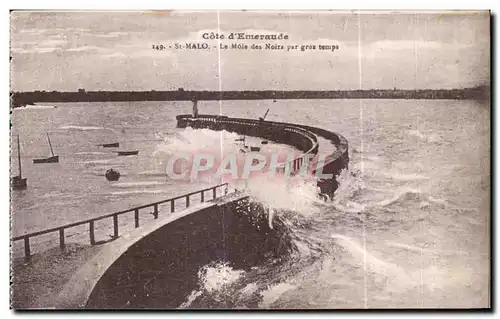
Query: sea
point(409, 226)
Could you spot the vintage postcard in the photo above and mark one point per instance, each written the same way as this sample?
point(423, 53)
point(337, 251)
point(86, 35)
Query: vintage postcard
point(250, 160)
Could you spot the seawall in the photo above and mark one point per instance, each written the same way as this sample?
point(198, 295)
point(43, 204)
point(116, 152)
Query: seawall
point(157, 266)
point(302, 137)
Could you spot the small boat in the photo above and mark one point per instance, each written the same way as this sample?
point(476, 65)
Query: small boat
point(127, 153)
point(110, 145)
point(51, 159)
point(264, 142)
point(18, 182)
point(112, 175)
point(264, 117)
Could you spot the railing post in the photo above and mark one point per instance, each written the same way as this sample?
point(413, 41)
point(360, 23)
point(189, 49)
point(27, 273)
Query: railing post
point(62, 245)
point(155, 211)
point(215, 192)
point(187, 201)
point(92, 235)
point(136, 215)
point(115, 226)
point(202, 196)
point(27, 253)
point(172, 205)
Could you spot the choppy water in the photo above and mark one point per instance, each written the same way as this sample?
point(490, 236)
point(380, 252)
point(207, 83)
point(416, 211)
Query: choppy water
point(409, 226)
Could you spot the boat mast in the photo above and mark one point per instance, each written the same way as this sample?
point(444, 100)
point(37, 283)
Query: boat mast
point(19, 157)
point(263, 118)
point(50, 144)
point(265, 114)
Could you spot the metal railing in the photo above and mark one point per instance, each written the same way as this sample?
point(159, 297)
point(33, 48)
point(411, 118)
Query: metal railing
point(91, 221)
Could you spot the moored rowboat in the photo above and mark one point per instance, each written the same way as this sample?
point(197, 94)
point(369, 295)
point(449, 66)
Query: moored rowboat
point(110, 145)
point(52, 159)
point(127, 153)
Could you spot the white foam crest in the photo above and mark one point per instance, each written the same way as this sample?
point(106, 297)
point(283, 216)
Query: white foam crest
point(352, 189)
point(374, 264)
point(143, 191)
point(271, 213)
point(419, 250)
point(350, 184)
point(135, 184)
point(405, 192)
point(293, 194)
point(35, 106)
point(81, 128)
point(272, 293)
point(249, 289)
point(214, 277)
point(192, 297)
point(97, 162)
point(194, 141)
point(160, 135)
point(406, 177)
point(350, 207)
point(409, 194)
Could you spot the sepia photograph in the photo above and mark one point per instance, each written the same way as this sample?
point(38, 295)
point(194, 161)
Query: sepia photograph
point(250, 159)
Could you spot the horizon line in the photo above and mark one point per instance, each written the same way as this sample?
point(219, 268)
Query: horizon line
point(81, 90)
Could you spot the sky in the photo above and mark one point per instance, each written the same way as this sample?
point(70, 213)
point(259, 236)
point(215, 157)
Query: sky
point(67, 51)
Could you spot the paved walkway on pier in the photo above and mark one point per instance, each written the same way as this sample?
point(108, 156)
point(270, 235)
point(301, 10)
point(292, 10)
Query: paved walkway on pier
point(38, 283)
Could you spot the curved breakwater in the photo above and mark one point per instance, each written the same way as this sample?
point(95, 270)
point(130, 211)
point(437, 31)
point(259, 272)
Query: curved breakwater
point(304, 138)
point(245, 233)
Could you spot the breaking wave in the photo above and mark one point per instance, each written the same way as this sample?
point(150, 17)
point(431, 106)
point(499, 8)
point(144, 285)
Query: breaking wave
point(137, 184)
point(35, 107)
point(141, 191)
point(337, 260)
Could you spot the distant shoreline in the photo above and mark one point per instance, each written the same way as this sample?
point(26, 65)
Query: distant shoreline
point(19, 99)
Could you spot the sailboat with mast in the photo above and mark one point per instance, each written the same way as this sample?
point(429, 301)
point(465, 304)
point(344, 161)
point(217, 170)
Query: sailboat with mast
point(51, 159)
point(18, 182)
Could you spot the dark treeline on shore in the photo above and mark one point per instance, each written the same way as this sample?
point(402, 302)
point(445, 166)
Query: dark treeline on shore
point(20, 99)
